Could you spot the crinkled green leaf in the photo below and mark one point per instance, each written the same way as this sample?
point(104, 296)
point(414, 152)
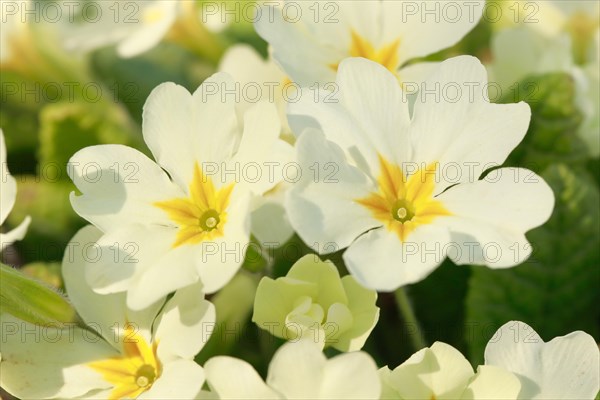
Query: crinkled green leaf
point(552, 136)
point(556, 290)
point(69, 127)
point(53, 220)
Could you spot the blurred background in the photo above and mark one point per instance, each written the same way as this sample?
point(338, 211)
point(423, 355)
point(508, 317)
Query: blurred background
point(64, 87)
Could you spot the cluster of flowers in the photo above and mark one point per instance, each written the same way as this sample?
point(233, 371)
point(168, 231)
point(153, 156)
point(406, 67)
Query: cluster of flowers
point(387, 202)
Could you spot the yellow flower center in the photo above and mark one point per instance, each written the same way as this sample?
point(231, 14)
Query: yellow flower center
point(402, 203)
point(201, 216)
point(135, 371)
point(386, 55)
point(582, 27)
point(153, 15)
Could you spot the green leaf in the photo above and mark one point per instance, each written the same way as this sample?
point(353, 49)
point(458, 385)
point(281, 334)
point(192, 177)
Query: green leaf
point(439, 304)
point(552, 136)
point(33, 301)
point(53, 221)
point(69, 127)
point(556, 290)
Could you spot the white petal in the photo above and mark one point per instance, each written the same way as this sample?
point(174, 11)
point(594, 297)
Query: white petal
point(270, 222)
point(455, 125)
point(380, 261)
point(151, 33)
point(180, 379)
point(350, 376)
point(218, 260)
point(371, 94)
point(44, 362)
point(231, 378)
point(567, 367)
point(492, 383)
point(215, 128)
point(246, 65)
point(168, 130)
point(261, 155)
point(413, 75)
point(103, 313)
point(119, 186)
point(322, 207)
point(495, 213)
point(8, 194)
point(174, 270)
point(118, 256)
point(425, 28)
point(439, 372)
point(315, 59)
point(8, 238)
point(297, 369)
point(182, 129)
point(185, 324)
point(322, 111)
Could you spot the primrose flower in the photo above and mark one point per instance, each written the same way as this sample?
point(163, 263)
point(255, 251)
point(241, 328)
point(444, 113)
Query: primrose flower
point(120, 353)
point(309, 40)
point(260, 79)
point(13, 27)
point(403, 192)
point(566, 38)
point(442, 372)
point(135, 26)
point(567, 367)
point(297, 371)
point(8, 195)
point(312, 302)
point(164, 232)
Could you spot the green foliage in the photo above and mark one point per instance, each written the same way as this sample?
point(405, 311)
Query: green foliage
point(69, 127)
point(552, 136)
point(130, 81)
point(556, 289)
point(33, 301)
point(46, 200)
point(439, 304)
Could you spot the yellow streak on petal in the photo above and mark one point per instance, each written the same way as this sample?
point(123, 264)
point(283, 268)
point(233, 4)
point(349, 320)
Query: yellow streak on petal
point(386, 55)
point(394, 187)
point(122, 371)
point(187, 213)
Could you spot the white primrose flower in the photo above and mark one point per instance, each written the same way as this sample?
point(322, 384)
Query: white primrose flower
point(135, 26)
point(441, 372)
point(163, 232)
point(261, 79)
point(565, 38)
point(567, 367)
point(310, 39)
point(8, 195)
point(297, 371)
point(12, 26)
point(403, 192)
point(116, 353)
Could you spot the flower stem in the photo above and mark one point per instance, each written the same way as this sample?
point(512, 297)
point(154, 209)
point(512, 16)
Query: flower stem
point(410, 319)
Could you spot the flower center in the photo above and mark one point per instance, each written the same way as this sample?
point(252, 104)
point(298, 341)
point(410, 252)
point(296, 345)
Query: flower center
point(402, 203)
point(386, 55)
point(582, 27)
point(201, 216)
point(209, 220)
point(134, 371)
point(145, 376)
point(403, 211)
point(152, 15)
